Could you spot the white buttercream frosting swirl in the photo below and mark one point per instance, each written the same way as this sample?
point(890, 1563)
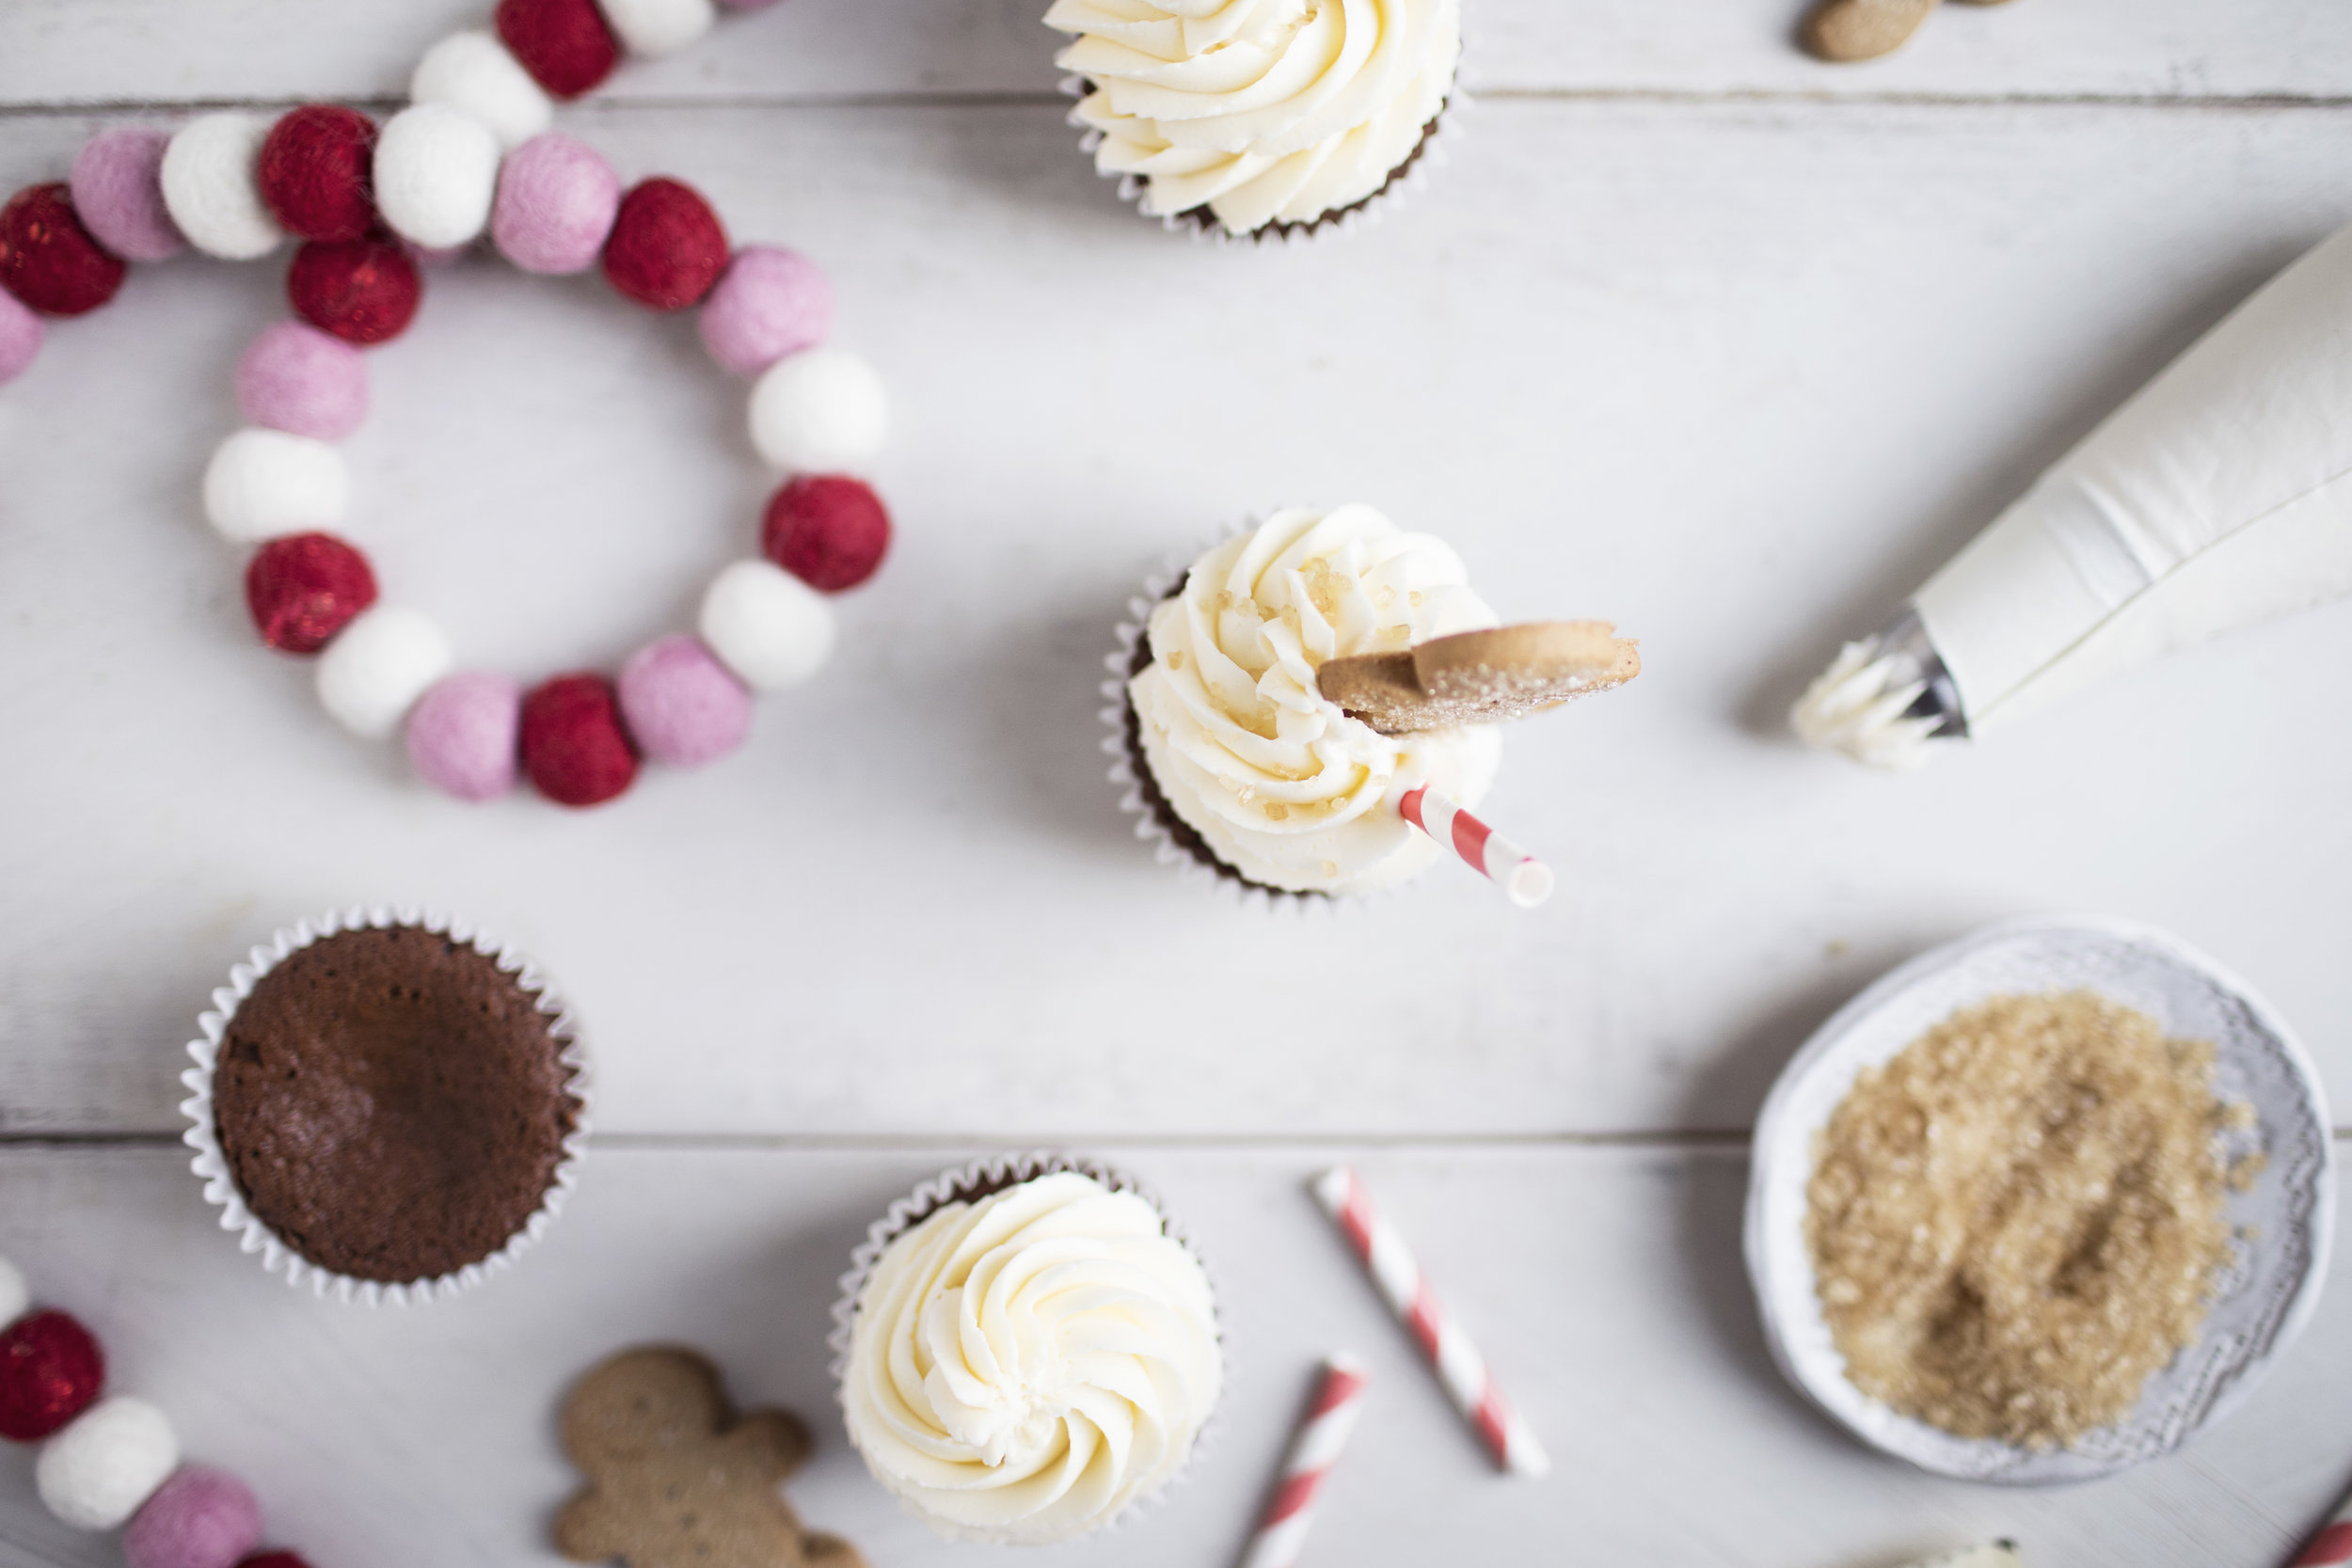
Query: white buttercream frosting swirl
point(1275, 777)
point(1023, 1367)
point(1263, 111)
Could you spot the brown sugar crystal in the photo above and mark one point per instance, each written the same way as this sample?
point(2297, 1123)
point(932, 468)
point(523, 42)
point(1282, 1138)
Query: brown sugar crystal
point(2016, 1221)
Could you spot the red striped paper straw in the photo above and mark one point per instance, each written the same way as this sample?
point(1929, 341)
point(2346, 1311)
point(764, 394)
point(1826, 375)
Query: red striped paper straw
point(1448, 1350)
point(1527, 880)
point(1282, 1534)
point(2332, 1545)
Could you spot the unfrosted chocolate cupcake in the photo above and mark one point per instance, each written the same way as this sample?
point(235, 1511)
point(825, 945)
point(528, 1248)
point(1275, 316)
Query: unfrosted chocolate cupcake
point(389, 1104)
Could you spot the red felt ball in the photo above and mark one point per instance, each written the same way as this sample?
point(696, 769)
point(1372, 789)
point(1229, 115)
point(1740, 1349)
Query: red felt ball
point(273, 1560)
point(564, 44)
point(573, 745)
point(48, 260)
point(305, 588)
point(50, 1370)
point(316, 172)
point(827, 530)
point(667, 247)
point(363, 291)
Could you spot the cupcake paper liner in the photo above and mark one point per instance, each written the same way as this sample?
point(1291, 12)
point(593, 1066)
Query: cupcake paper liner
point(220, 1188)
point(1442, 133)
point(993, 1173)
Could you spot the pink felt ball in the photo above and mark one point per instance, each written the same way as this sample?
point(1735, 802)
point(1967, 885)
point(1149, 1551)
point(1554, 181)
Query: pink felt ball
point(556, 202)
point(680, 704)
point(200, 1518)
point(19, 337)
point(117, 185)
point(303, 381)
point(463, 734)
point(771, 302)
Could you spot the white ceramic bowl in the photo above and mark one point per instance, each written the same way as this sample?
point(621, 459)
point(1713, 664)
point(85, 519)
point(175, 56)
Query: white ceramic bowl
point(2271, 1285)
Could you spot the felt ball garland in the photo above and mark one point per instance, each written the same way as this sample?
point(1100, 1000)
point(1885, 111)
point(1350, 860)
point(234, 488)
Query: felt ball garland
point(48, 260)
point(316, 172)
point(473, 155)
point(110, 1461)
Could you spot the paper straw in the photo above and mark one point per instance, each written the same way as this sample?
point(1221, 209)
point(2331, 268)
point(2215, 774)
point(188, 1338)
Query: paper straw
point(1282, 1534)
point(2332, 1545)
point(1527, 880)
point(1448, 1350)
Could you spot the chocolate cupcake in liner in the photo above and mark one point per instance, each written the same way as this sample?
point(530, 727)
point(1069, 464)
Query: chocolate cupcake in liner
point(998, 1215)
point(1284, 836)
point(349, 1153)
point(1229, 164)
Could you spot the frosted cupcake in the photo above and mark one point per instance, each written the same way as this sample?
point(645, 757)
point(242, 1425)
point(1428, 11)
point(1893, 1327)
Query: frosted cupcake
point(1026, 1352)
point(1259, 117)
point(1284, 700)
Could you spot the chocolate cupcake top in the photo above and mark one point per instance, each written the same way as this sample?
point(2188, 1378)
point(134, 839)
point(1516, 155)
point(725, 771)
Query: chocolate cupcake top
point(392, 1104)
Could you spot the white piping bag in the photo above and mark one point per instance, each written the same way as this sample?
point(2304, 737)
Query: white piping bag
point(2221, 496)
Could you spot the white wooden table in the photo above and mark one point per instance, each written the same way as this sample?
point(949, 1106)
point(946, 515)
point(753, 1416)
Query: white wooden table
point(1691, 332)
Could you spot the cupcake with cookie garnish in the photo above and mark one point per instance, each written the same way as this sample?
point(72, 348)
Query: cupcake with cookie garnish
point(1259, 118)
point(1288, 705)
point(1026, 1350)
point(386, 1107)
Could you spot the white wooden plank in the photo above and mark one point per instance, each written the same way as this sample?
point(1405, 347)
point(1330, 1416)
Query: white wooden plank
point(1739, 379)
point(122, 51)
point(1603, 1285)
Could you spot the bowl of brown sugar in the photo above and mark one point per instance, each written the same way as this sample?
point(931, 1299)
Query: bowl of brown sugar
point(2040, 1204)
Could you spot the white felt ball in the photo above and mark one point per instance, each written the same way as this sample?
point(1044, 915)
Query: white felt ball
point(658, 26)
point(95, 1473)
point(474, 71)
point(377, 667)
point(265, 483)
point(14, 1298)
point(436, 170)
point(770, 627)
point(823, 410)
point(212, 186)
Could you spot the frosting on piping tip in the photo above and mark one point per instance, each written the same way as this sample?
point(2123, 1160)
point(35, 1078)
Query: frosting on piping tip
point(1023, 1367)
point(1884, 701)
point(1857, 707)
point(1277, 778)
point(1262, 111)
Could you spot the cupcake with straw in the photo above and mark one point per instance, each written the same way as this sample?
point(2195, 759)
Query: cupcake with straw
point(1259, 118)
point(1312, 707)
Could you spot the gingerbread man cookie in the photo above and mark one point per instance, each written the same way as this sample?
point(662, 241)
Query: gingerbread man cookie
point(676, 1479)
point(1845, 30)
point(1480, 677)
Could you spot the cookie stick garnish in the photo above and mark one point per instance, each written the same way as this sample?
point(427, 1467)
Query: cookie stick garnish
point(1526, 880)
point(1281, 1533)
point(1480, 677)
point(1460, 1369)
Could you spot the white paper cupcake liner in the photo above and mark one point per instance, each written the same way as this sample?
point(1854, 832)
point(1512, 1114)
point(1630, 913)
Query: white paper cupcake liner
point(220, 1188)
point(1443, 135)
point(997, 1171)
